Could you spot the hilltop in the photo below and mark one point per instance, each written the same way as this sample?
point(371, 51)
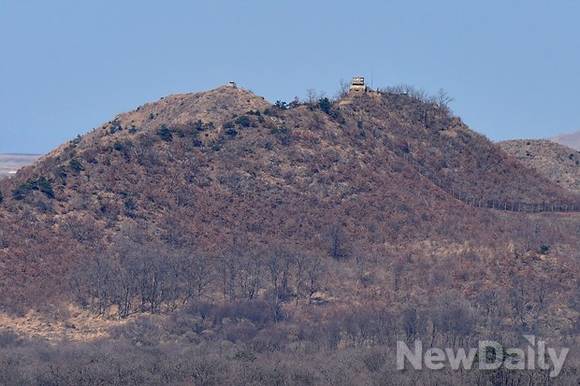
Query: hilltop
point(347, 202)
point(556, 162)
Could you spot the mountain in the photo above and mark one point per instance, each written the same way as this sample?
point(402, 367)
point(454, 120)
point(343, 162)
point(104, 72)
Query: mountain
point(10, 163)
point(556, 162)
point(379, 198)
point(570, 140)
point(216, 238)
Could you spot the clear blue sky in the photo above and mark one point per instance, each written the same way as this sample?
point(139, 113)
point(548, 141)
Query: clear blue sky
point(513, 67)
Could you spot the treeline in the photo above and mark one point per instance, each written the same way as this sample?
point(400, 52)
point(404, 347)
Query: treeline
point(154, 280)
point(516, 206)
point(268, 287)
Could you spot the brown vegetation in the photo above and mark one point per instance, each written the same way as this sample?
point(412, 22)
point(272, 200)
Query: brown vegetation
point(322, 227)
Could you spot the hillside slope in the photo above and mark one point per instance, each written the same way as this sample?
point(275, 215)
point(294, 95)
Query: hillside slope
point(226, 173)
point(556, 162)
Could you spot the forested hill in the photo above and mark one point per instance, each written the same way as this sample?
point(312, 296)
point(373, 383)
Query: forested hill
point(225, 170)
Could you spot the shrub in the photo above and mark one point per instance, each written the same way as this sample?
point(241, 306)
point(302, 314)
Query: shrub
point(40, 184)
point(77, 140)
point(118, 146)
point(61, 173)
point(199, 125)
point(142, 331)
point(243, 121)
point(203, 309)
point(258, 312)
point(231, 132)
point(165, 133)
point(281, 105)
point(325, 105)
point(405, 148)
point(283, 134)
point(1, 197)
point(245, 356)
point(130, 205)
point(44, 186)
point(115, 128)
point(75, 165)
point(124, 148)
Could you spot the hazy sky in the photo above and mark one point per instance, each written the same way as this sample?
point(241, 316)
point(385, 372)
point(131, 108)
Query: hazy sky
point(513, 67)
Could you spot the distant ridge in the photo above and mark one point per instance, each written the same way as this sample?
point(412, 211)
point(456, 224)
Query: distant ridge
point(559, 163)
point(571, 140)
point(19, 155)
point(11, 162)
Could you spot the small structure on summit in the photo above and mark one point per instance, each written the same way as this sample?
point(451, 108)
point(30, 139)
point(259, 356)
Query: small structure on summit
point(232, 84)
point(357, 85)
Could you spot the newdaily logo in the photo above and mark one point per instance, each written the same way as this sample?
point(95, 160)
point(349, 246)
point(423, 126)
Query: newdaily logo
point(489, 355)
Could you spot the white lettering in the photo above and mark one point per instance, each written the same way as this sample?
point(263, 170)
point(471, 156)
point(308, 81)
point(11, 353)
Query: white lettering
point(414, 358)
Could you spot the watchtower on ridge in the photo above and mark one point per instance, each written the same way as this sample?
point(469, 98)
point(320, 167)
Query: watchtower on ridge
point(357, 85)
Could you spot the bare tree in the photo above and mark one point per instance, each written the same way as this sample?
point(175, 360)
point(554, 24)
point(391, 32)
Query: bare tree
point(311, 96)
point(314, 268)
point(343, 89)
point(227, 268)
point(337, 242)
point(443, 99)
point(197, 274)
point(300, 267)
point(250, 275)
